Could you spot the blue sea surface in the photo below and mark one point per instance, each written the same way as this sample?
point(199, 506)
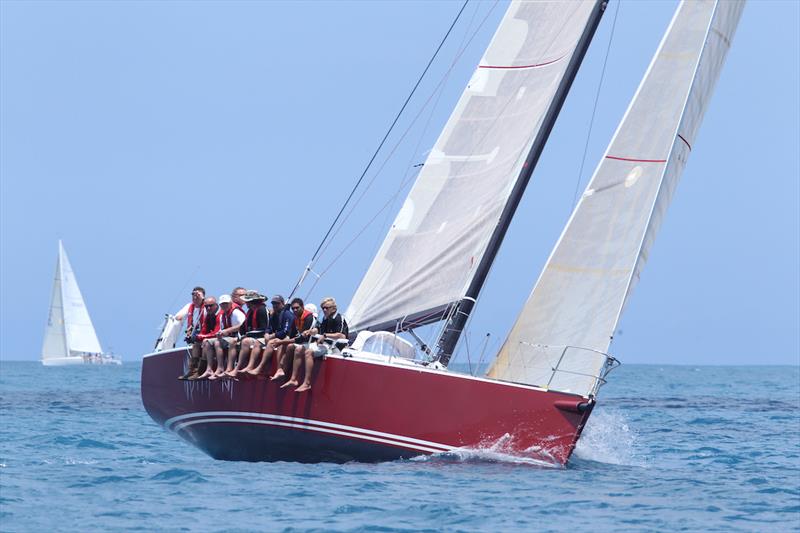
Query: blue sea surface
point(668, 448)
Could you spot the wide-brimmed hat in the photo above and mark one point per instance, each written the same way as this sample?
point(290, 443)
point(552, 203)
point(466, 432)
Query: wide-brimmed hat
point(252, 296)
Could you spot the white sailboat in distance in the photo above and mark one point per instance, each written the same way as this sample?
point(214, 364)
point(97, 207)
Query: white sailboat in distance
point(69, 337)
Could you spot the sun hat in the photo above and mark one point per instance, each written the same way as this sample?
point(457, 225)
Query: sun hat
point(252, 296)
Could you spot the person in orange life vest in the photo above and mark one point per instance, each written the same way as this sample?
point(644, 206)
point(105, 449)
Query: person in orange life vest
point(278, 328)
point(301, 334)
point(194, 312)
point(255, 324)
point(333, 327)
point(224, 342)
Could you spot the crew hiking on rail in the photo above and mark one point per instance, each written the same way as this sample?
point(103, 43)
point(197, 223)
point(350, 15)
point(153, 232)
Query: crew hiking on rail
point(228, 343)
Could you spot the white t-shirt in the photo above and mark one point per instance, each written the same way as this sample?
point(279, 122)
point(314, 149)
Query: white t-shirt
point(180, 315)
point(237, 317)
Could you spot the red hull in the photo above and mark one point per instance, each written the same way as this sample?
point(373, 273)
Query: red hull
point(360, 410)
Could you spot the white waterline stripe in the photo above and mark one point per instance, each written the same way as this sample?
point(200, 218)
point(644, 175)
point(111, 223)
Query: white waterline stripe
point(402, 438)
point(310, 428)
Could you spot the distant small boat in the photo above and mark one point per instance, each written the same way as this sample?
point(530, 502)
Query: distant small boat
point(69, 338)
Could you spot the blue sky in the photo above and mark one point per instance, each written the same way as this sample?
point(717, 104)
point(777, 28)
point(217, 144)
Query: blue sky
point(179, 143)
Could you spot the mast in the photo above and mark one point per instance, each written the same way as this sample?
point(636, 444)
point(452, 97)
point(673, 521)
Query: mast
point(461, 311)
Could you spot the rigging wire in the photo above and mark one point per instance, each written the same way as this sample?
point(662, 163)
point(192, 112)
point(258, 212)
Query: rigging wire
point(407, 177)
point(375, 154)
point(594, 109)
point(434, 92)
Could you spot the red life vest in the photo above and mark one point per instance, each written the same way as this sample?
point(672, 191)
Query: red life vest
point(226, 317)
point(210, 327)
point(190, 316)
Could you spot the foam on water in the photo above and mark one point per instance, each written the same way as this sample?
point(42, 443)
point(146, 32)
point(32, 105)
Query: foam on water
point(499, 451)
point(608, 438)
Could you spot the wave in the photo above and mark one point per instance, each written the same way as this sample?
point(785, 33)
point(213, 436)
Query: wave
point(608, 438)
point(499, 451)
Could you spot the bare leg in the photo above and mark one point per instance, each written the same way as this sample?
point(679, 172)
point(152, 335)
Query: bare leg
point(268, 351)
point(293, 357)
point(309, 357)
point(280, 372)
point(208, 355)
point(233, 351)
point(217, 352)
point(244, 357)
point(255, 353)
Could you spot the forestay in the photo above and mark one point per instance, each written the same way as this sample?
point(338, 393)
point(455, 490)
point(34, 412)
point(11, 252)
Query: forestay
point(440, 234)
point(588, 278)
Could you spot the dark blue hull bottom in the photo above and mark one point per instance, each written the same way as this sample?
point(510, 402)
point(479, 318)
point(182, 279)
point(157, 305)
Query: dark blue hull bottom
point(251, 442)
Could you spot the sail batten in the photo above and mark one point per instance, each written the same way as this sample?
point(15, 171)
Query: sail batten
point(589, 276)
point(440, 236)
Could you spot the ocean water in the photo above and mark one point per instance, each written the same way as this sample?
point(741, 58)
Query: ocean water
point(668, 448)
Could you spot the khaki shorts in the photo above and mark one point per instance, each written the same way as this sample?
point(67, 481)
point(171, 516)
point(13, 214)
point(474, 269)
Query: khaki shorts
point(227, 342)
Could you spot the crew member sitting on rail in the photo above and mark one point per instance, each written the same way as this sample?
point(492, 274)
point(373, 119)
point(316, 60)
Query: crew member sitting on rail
point(332, 328)
point(233, 345)
point(253, 329)
point(232, 319)
point(278, 328)
point(301, 332)
point(208, 331)
point(194, 313)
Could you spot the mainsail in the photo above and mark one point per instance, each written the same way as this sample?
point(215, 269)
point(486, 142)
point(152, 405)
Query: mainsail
point(440, 236)
point(69, 330)
point(570, 317)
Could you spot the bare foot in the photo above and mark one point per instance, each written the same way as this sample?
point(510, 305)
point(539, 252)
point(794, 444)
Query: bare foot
point(206, 375)
point(290, 383)
point(277, 375)
point(252, 371)
point(302, 388)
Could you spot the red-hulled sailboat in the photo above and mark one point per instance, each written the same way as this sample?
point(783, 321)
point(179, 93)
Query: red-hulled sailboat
point(380, 399)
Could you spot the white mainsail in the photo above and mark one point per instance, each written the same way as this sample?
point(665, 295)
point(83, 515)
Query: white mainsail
point(69, 331)
point(442, 231)
point(590, 274)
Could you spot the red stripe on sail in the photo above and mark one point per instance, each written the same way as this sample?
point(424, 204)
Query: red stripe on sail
point(523, 66)
point(636, 160)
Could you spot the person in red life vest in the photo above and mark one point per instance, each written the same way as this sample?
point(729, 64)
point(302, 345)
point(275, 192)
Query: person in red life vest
point(252, 331)
point(332, 328)
point(194, 312)
point(227, 337)
point(301, 333)
point(208, 328)
point(207, 336)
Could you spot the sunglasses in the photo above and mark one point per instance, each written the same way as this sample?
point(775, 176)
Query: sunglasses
point(295, 308)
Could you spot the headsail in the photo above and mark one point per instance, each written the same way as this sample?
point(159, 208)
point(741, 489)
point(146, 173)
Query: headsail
point(55, 338)
point(440, 235)
point(69, 317)
point(588, 278)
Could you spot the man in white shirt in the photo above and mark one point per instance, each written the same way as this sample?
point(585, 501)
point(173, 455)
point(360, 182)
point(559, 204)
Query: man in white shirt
point(226, 340)
point(194, 312)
